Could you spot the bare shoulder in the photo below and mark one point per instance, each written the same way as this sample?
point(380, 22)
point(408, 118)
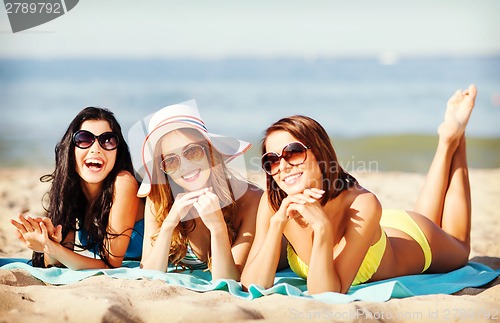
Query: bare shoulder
point(366, 204)
point(264, 197)
point(252, 195)
point(245, 192)
point(264, 201)
point(248, 203)
point(126, 181)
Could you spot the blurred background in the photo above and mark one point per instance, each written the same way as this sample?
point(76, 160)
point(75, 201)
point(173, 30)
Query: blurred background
point(375, 74)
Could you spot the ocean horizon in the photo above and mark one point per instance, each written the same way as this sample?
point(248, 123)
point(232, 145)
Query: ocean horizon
point(384, 111)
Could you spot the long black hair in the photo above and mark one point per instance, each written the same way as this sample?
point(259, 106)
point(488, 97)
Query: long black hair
point(66, 203)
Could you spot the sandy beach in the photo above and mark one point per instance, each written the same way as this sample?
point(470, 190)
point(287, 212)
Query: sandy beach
point(23, 298)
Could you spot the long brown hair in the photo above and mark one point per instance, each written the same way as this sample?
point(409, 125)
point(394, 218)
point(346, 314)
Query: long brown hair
point(162, 197)
point(312, 134)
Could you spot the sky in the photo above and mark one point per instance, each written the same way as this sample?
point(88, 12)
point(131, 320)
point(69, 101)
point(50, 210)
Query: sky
point(258, 28)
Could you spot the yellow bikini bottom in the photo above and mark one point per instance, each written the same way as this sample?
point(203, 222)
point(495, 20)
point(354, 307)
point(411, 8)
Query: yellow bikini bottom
point(397, 219)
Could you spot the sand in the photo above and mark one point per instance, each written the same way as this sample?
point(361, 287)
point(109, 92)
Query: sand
point(23, 298)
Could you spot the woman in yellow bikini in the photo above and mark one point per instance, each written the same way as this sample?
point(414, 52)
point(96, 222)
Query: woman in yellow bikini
point(338, 234)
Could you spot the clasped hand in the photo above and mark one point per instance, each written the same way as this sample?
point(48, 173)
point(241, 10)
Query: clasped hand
point(206, 204)
point(306, 204)
point(35, 233)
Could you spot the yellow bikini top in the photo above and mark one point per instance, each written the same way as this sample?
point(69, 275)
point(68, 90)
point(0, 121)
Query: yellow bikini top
point(368, 267)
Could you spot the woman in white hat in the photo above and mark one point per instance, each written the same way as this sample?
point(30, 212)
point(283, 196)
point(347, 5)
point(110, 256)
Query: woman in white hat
point(198, 215)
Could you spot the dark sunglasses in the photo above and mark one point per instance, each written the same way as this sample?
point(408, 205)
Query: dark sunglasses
point(172, 162)
point(84, 139)
point(295, 153)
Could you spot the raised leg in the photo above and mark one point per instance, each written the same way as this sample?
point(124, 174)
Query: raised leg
point(456, 218)
point(430, 201)
point(445, 196)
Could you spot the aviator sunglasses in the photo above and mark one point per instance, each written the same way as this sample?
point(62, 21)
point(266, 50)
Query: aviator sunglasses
point(84, 139)
point(295, 153)
point(172, 162)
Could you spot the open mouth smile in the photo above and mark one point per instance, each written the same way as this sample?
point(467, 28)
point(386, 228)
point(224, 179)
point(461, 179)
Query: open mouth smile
point(292, 179)
point(191, 176)
point(94, 164)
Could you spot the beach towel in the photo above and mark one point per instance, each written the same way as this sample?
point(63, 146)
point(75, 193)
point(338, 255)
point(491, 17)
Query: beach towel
point(286, 282)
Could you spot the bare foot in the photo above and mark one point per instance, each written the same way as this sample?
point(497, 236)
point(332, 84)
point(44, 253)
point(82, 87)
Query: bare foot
point(457, 113)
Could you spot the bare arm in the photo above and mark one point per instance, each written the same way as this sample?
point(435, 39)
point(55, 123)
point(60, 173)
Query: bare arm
point(223, 265)
point(322, 275)
point(121, 221)
point(264, 256)
point(56, 235)
point(40, 235)
point(361, 232)
point(333, 270)
point(26, 224)
point(228, 260)
point(122, 217)
point(247, 212)
point(155, 255)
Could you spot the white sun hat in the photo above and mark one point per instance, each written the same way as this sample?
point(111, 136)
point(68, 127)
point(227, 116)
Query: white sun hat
point(179, 116)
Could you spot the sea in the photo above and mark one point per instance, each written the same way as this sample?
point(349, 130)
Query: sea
point(382, 115)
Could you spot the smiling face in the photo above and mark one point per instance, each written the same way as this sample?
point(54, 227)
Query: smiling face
point(193, 170)
point(293, 179)
point(94, 164)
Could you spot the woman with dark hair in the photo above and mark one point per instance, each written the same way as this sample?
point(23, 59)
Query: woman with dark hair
point(198, 215)
point(338, 233)
point(92, 202)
